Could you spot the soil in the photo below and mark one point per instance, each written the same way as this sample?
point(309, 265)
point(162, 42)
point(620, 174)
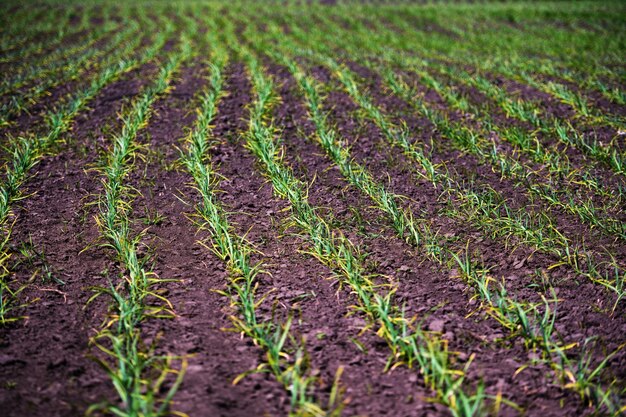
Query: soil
point(321, 311)
point(414, 272)
point(46, 369)
point(47, 365)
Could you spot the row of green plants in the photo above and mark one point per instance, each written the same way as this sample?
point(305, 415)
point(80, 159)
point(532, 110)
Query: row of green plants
point(549, 126)
point(558, 89)
point(140, 376)
point(285, 354)
point(558, 167)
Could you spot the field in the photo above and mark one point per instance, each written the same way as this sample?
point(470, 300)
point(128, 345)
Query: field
point(299, 208)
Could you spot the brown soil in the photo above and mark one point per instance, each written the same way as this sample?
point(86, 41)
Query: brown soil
point(517, 266)
point(46, 366)
point(414, 275)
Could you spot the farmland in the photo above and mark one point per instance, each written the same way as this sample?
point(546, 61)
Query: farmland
point(348, 208)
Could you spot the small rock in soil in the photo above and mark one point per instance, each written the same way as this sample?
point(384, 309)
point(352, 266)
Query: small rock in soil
point(436, 325)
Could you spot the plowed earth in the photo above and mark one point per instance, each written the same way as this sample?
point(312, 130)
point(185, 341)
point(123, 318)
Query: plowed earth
point(46, 367)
